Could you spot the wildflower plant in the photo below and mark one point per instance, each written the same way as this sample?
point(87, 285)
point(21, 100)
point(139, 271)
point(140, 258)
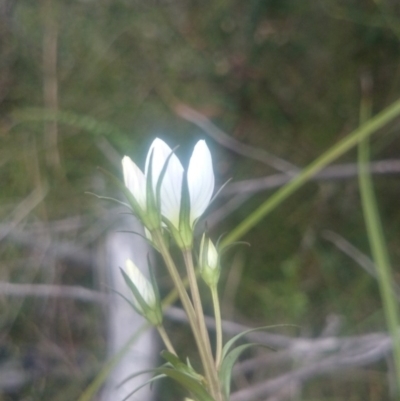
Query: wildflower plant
point(169, 201)
point(191, 197)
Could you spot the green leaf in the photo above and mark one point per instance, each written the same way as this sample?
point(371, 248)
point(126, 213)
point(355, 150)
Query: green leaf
point(229, 344)
point(107, 198)
point(153, 379)
point(136, 293)
point(181, 366)
point(225, 371)
point(172, 359)
point(127, 300)
point(128, 194)
point(197, 389)
point(133, 375)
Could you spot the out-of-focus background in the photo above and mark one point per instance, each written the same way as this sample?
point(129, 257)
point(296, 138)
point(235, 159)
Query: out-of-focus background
point(270, 85)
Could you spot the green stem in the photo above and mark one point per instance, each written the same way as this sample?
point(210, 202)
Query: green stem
point(173, 271)
point(218, 325)
point(377, 244)
point(194, 289)
point(326, 158)
point(190, 312)
point(167, 342)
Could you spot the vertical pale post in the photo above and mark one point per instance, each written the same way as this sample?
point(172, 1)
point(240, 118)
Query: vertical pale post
point(123, 321)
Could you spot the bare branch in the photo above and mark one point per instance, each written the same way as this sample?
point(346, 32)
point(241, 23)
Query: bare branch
point(239, 192)
point(59, 249)
point(23, 209)
point(360, 258)
point(338, 172)
point(46, 290)
point(365, 353)
point(232, 144)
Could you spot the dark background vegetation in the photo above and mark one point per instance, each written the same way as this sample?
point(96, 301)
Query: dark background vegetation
point(279, 75)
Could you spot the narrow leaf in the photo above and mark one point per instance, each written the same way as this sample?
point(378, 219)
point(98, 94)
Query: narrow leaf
point(153, 379)
point(121, 186)
point(107, 198)
point(136, 293)
point(229, 344)
point(190, 384)
point(225, 372)
point(133, 375)
point(181, 366)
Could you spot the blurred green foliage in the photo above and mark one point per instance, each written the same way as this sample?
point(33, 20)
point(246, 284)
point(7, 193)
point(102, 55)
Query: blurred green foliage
point(281, 75)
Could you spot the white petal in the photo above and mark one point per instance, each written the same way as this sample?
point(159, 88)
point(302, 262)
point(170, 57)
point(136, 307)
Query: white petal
point(141, 283)
point(200, 180)
point(134, 181)
point(171, 187)
point(160, 151)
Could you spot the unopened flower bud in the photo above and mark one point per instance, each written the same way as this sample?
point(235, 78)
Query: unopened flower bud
point(145, 294)
point(209, 262)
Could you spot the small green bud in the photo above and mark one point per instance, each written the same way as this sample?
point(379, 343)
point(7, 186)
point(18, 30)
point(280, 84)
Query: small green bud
point(209, 262)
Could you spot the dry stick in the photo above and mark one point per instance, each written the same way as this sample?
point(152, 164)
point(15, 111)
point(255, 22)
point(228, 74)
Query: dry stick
point(243, 190)
point(50, 85)
point(360, 258)
point(23, 209)
point(49, 290)
point(366, 355)
point(336, 172)
point(232, 144)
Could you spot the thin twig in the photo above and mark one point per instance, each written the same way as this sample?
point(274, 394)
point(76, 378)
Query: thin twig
point(338, 172)
point(47, 290)
point(239, 192)
point(232, 144)
point(363, 355)
point(50, 84)
point(59, 249)
point(360, 258)
point(23, 209)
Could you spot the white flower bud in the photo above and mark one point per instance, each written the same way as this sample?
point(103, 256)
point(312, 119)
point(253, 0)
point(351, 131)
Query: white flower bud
point(209, 262)
point(145, 296)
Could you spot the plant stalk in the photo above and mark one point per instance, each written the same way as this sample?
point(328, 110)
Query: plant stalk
point(209, 369)
point(378, 243)
point(218, 325)
point(167, 342)
point(194, 289)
